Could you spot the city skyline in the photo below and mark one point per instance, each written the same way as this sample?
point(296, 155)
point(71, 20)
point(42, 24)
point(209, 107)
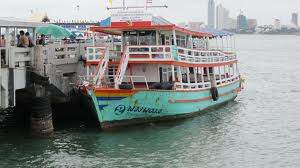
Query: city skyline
point(96, 9)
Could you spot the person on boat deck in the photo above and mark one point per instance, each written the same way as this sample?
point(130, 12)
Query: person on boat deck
point(2, 44)
point(31, 44)
point(24, 40)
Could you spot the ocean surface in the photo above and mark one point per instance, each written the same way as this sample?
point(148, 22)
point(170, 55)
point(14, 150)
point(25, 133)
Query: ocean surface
point(261, 129)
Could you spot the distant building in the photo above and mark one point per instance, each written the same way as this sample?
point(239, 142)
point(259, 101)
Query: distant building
point(242, 23)
point(37, 15)
point(230, 24)
point(252, 24)
point(195, 25)
point(211, 14)
point(182, 25)
point(295, 18)
point(277, 24)
point(222, 16)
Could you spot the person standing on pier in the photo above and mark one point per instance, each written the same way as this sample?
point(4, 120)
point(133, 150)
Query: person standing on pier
point(2, 45)
point(24, 40)
point(31, 44)
point(42, 40)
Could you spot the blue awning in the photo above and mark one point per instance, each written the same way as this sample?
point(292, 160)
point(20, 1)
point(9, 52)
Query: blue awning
point(106, 22)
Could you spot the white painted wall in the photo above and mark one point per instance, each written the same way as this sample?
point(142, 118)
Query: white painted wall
point(151, 72)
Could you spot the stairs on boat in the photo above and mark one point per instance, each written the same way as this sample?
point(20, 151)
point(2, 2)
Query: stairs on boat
point(101, 68)
point(121, 68)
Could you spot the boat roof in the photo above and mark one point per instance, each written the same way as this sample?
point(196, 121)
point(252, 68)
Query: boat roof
point(157, 23)
point(18, 23)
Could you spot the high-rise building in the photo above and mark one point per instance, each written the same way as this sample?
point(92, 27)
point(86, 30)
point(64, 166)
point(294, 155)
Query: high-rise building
point(230, 24)
point(277, 24)
point(195, 25)
point(222, 17)
point(252, 24)
point(242, 23)
point(211, 14)
point(295, 18)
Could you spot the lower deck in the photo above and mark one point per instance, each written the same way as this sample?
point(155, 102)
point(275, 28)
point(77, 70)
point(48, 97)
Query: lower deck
point(119, 106)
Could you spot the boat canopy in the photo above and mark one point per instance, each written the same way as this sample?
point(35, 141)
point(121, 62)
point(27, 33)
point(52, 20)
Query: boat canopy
point(156, 23)
point(18, 23)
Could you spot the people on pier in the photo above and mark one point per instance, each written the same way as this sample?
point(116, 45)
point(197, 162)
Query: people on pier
point(2, 45)
point(2, 41)
point(18, 40)
point(31, 43)
point(42, 40)
point(24, 40)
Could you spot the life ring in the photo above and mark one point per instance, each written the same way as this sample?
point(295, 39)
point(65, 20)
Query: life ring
point(214, 93)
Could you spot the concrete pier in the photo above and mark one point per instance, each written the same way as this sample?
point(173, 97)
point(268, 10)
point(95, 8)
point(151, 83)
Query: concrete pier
point(56, 67)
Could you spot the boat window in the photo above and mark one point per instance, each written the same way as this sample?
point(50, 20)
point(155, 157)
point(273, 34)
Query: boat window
point(147, 37)
point(140, 37)
point(131, 38)
point(167, 74)
point(181, 40)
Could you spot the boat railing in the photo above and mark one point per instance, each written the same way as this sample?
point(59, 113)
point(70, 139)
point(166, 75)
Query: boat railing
point(192, 86)
point(94, 54)
point(115, 55)
point(169, 52)
point(198, 56)
point(109, 81)
point(151, 52)
point(102, 66)
point(225, 80)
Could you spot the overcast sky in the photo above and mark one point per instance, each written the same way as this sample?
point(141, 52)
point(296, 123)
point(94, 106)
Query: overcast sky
point(179, 10)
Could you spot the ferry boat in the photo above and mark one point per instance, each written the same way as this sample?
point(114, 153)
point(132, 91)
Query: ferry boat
point(158, 72)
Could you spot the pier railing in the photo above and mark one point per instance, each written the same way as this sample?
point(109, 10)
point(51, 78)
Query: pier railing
point(19, 57)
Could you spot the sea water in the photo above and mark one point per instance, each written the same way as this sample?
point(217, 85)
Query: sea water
point(260, 129)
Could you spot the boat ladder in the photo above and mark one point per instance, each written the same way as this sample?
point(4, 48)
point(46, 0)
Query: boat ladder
point(101, 68)
point(122, 68)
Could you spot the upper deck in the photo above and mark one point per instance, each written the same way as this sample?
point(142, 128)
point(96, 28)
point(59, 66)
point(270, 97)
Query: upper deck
point(150, 39)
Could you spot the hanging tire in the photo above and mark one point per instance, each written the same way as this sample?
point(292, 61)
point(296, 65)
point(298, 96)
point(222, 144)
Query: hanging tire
point(126, 87)
point(214, 93)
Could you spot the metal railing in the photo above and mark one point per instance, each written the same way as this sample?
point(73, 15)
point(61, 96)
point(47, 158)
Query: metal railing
point(227, 80)
point(198, 56)
point(156, 52)
point(102, 66)
point(192, 86)
point(19, 57)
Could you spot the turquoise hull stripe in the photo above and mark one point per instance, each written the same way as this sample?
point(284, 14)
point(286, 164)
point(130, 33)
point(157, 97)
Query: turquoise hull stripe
point(109, 98)
point(148, 104)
